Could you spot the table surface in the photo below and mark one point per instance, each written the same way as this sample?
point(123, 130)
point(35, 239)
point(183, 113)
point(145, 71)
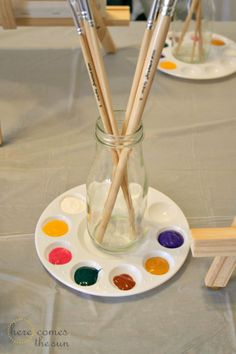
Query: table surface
point(47, 114)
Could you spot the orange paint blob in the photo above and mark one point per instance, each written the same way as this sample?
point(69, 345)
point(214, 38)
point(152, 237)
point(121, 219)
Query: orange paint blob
point(55, 228)
point(168, 65)
point(157, 265)
point(217, 42)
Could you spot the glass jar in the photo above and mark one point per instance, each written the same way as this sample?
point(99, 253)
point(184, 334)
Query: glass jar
point(125, 226)
point(192, 30)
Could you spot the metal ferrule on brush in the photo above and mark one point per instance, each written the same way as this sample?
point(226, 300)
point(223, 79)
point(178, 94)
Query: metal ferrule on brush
point(76, 16)
point(168, 7)
point(83, 13)
point(153, 14)
point(86, 12)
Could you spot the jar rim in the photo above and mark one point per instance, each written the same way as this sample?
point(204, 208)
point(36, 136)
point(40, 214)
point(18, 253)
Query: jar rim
point(116, 141)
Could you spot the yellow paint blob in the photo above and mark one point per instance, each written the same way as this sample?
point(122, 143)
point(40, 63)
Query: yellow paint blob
point(157, 265)
point(217, 42)
point(168, 65)
point(55, 228)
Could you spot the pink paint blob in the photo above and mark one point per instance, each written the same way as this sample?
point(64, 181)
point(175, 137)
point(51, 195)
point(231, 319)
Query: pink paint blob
point(59, 256)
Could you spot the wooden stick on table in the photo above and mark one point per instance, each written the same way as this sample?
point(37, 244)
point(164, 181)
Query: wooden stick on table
point(210, 242)
point(218, 242)
point(147, 76)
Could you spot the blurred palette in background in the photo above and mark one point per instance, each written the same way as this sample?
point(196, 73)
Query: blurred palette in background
point(221, 61)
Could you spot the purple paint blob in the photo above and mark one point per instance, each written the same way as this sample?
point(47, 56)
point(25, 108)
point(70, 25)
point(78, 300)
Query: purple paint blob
point(162, 56)
point(170, 239)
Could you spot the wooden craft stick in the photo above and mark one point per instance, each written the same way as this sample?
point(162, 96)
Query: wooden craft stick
point(7, 14)
point(210, 242)
point(186, 24)
point(221, 270)
point(141, 59)
point(102, 30)
point(148, 73)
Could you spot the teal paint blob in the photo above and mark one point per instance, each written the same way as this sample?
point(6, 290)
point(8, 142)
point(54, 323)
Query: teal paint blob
point(86, 276)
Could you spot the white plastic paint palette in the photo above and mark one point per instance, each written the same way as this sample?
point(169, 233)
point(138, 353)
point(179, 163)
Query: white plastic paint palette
point(75, 249)
point(221, 61)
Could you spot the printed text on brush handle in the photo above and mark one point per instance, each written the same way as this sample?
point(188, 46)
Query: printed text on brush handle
point(95, 89)
point(147, 75)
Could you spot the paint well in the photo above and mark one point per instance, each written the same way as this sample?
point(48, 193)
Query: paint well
point(59, 256)
point(86, 276)
point(167, 65)
point(124, 282)
point(72, 205)
point(217, 42)
point(157, 265)
point(170, 239)
point(55, 228)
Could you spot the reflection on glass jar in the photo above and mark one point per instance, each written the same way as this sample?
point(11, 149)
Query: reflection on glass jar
point(192, 30)
point(125, 225)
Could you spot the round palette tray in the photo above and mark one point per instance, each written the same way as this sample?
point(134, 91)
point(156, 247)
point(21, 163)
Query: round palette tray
point(161, 214)
point(221, 61)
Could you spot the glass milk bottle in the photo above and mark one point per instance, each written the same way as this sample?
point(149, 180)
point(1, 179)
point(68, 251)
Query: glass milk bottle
point(192, 30)
point(125, 227)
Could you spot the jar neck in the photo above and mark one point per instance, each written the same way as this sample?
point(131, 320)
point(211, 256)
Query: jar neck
point(120, 141)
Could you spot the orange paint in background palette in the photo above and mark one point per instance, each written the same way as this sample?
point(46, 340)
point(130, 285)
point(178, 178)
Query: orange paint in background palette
point(217, 42)
point(168, 65)
point(55, 228)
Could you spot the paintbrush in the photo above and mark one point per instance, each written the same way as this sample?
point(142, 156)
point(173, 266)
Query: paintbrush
point(150, 66)
point(141, 58)
point(90, 67)
point(90, 31)
point(95, 82)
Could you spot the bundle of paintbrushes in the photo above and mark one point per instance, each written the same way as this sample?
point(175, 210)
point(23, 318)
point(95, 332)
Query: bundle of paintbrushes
point(185, 47)
point(150, 52)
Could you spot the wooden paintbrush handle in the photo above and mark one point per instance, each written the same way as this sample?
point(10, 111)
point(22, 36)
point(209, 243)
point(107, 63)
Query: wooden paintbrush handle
point(196, 32)
point(148, 73)
point(101, 73)
point(186, 25)
point(142, 56)
point(105, 119)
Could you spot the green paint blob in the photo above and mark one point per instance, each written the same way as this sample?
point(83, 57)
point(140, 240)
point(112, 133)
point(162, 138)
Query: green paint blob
point(86, 276)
